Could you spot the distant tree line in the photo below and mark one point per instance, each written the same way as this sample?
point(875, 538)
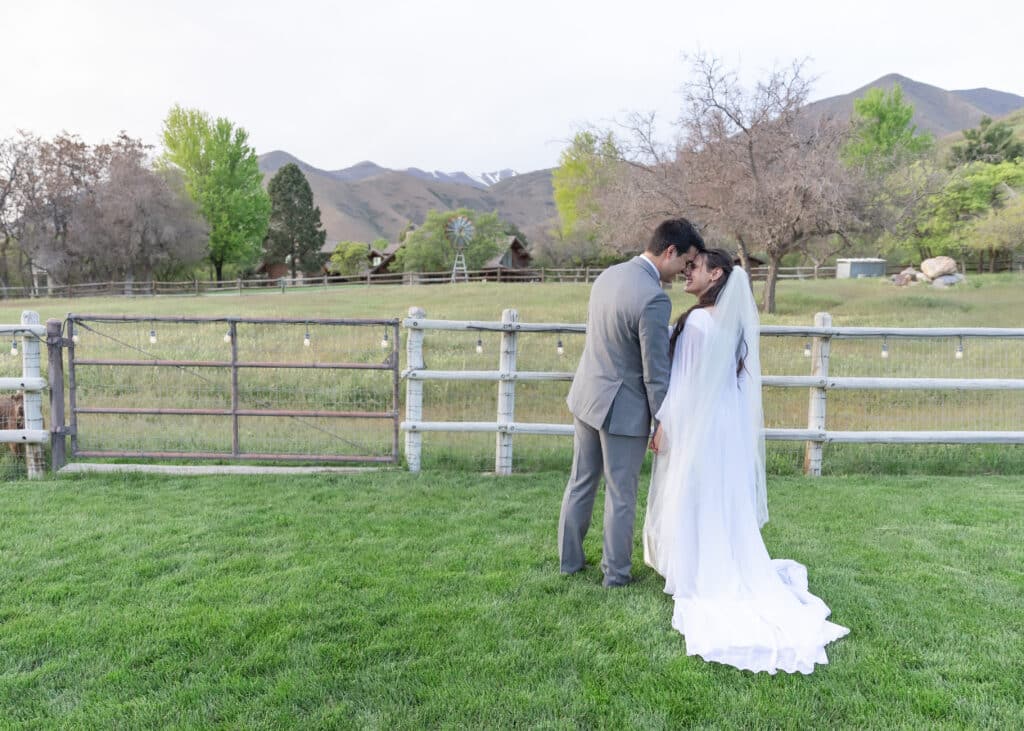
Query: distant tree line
point(76, 212)
point(765, 179)
point(81, 212)
point(746, 163)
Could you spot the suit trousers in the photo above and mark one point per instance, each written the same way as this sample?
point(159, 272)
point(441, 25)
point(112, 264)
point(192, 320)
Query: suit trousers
point(618, 458)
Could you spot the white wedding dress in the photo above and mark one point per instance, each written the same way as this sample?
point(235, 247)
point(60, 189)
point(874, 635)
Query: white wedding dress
point(707, 503)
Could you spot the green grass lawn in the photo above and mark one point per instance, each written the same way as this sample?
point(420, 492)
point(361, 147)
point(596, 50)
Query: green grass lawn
point(389, 600)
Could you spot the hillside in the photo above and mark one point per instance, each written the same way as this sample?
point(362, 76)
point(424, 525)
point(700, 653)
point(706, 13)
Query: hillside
point(936, 110)
point(366, 201)
point(1014, 119)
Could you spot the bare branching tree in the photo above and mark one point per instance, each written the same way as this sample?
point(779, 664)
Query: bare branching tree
point(747, 165)
point(87, 213)
point(61, 174)
point(766, 177)
point(14, 161)
point(136, 220)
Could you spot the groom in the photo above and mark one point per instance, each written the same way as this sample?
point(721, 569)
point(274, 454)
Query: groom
point(619, 385)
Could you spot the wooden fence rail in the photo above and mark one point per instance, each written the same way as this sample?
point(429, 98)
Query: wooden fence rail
point(818, 383)
point(192, 287)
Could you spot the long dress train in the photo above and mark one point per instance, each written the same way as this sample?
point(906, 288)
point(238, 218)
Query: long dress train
point(733, 603)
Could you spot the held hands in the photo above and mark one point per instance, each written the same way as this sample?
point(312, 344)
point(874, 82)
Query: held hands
point(656, 440)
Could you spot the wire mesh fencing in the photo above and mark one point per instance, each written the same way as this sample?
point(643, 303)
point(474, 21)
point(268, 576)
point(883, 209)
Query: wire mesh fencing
point(938, 408)
point(233, 388)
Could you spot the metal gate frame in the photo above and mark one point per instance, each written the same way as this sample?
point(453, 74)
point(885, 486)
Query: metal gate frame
point(236, 453)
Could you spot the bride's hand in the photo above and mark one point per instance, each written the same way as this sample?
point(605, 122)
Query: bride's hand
point(656, 440)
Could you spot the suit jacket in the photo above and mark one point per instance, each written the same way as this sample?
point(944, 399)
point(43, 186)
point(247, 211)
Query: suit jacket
point(623, 374)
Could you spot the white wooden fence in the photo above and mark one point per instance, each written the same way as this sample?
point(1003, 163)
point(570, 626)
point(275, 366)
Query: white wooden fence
point(816, 434)
point(26, 337)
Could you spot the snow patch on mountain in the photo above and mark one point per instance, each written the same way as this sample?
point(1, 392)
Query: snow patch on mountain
point(481, 180)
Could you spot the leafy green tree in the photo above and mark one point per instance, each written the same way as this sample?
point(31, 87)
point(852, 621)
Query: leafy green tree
point(427, 248)
point(296, 235)
point(222, 176)
point(882, 137)
point(896, 169)
point(948, 221)
point(583, 168)
point(991, 142)
point(349, 257)
point(1001, 229)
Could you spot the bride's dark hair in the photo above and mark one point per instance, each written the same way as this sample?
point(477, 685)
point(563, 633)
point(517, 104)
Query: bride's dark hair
point(713, 259)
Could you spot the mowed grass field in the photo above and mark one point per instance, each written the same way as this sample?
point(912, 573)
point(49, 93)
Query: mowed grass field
point(391, 600)
point(395, 601)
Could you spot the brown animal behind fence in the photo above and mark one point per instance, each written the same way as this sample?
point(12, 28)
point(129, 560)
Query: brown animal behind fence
point(12, 416)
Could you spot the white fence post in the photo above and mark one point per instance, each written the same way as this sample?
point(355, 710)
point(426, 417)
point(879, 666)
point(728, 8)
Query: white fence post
point(414, 390)
point(506, 393)
point(818, 395)
point(33, 403)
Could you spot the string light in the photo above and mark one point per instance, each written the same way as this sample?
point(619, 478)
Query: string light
point(885, 347)
point(960, 349)
point(807, 349)
point(560, 349)
point(384, 342)
point(14, 347)
point(152, 337)
point(306, 340)
point(227, 337)
point(479, 345)
point(74, 338)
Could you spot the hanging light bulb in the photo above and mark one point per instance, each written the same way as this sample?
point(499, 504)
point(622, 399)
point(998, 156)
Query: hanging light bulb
point(559, 348)
point(384, 342)
point(479, 345)
point(227, 337)
point(74, 338)
point(306, 340)
point(885, 347)
point(960, 349)
point(807, 349)
point(152, 337)
point(14, 347)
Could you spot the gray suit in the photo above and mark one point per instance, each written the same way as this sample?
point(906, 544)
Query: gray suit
point(619, 384)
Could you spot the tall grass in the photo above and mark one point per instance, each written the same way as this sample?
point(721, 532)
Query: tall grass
point(988, 300)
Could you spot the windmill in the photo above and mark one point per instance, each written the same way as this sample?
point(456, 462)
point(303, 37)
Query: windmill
point(459, 231)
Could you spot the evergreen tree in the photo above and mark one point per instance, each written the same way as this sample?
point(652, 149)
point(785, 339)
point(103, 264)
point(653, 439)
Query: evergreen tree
point(296, 235)
point(991, 142)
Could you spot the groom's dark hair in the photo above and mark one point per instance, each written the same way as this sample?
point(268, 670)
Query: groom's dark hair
point(676, 232)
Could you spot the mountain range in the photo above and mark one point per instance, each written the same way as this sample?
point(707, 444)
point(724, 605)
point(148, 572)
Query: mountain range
point(366, 201)
point(936, 110)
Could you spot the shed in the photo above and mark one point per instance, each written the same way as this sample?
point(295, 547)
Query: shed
point(858, 268)
point(514, 256)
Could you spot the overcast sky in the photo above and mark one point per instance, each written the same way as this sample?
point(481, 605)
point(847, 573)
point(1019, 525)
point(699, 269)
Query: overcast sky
point(452, 84)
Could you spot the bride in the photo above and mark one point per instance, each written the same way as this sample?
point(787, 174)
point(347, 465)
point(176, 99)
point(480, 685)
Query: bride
point(707, 501)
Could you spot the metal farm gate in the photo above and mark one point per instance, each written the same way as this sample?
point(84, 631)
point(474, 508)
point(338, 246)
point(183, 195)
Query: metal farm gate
point(233, 388)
